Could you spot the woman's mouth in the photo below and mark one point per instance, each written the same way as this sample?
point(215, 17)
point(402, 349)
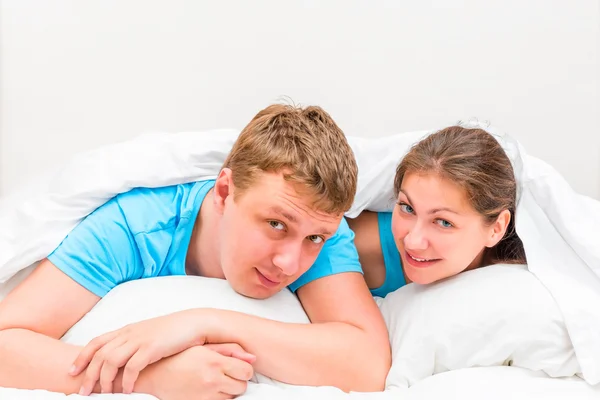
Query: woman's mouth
point(418, 261)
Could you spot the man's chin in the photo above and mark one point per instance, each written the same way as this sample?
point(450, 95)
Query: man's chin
point(262, 296)
point(257, 292)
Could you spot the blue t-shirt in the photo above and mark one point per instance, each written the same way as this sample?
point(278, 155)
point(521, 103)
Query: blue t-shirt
point(145, 233)
point(394, 276)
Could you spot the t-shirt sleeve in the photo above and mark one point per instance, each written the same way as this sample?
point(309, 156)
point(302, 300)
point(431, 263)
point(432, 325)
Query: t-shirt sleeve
point(338, 255)
point(100, 252)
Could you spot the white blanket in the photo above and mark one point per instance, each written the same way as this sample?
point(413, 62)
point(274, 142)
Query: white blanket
point(557, 225)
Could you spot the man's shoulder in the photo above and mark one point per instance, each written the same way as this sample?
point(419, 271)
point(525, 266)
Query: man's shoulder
point(147, 209)
point(338, 255)
point(339, 249)
point(342, 236)
point(144, 195)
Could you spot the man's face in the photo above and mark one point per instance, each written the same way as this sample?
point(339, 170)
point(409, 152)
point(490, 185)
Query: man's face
point(270, 234)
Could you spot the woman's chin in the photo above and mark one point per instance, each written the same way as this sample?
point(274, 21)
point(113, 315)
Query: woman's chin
point(420, 278)
point(423, 278)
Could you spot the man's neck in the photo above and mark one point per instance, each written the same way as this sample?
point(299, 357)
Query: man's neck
point(203, 258)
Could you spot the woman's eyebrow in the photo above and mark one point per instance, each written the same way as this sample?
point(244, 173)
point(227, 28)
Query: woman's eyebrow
point(435, 210)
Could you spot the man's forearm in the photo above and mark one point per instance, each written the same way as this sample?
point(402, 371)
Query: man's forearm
point(34, 361)
point(324, 354)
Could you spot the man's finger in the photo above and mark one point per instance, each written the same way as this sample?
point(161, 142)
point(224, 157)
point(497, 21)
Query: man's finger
point(232, 350)
point(137, 362)
point(115, 358)
point(108, 373)
point(92, 374)
point(237, 369)
point(233, 387)
point(87, 353)
point(244, 356)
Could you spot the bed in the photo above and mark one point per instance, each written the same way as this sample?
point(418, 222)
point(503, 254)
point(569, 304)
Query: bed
point(506, 331)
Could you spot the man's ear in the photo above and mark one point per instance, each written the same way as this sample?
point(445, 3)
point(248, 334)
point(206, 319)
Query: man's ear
point(223, 189)
point(498, 228)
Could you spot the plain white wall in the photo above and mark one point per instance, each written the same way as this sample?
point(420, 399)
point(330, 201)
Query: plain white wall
point(76, 74)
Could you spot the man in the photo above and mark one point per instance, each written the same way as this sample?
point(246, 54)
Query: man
point(272, 219)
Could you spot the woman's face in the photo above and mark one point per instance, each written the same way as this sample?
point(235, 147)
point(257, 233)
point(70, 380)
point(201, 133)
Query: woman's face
point(437, 231)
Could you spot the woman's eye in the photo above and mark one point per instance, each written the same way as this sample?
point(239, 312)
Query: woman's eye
point(444, 224)
point(316, 239)
point(277, 225)
point(406, 208)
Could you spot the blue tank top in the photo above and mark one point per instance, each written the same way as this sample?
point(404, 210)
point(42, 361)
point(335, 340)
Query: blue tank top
point(394, 276)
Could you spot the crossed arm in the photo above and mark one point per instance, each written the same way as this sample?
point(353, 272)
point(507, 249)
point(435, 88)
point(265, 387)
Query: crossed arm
point(345, 346)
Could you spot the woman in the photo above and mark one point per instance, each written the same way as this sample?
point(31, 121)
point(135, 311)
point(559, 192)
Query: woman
point(456, 195)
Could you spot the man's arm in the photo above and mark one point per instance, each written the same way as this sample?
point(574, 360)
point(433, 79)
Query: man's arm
point(58, 293)
point(47, 303)
point(32, 319)
point(346, 345)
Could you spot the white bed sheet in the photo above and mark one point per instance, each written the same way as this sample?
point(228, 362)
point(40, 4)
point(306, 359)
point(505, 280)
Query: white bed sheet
point(488, 383)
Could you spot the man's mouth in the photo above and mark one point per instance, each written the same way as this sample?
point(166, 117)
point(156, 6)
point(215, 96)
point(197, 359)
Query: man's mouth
point(267, 282)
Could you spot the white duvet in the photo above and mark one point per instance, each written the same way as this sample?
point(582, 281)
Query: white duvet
point(541, 320)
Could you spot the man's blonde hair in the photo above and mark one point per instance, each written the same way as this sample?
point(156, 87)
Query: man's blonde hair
point(306, 145)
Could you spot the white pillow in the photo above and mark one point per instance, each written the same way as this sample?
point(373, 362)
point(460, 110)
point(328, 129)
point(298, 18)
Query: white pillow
point(491, 316)
point(497, 315)
point(152, 297)
point(142, 299)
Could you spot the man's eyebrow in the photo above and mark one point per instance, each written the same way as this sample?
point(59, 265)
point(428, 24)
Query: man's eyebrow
point(324, 232)
point(283, 213)
point(435, 210)
point(293, 219)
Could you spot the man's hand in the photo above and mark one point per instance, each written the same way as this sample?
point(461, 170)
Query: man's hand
point(196, 373)
point(138, 345)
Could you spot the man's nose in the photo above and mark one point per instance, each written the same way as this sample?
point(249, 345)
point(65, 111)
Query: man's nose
point(287, 258)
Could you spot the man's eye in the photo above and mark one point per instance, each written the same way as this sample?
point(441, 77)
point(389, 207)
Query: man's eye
point(316, 239)
point(277, 225)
